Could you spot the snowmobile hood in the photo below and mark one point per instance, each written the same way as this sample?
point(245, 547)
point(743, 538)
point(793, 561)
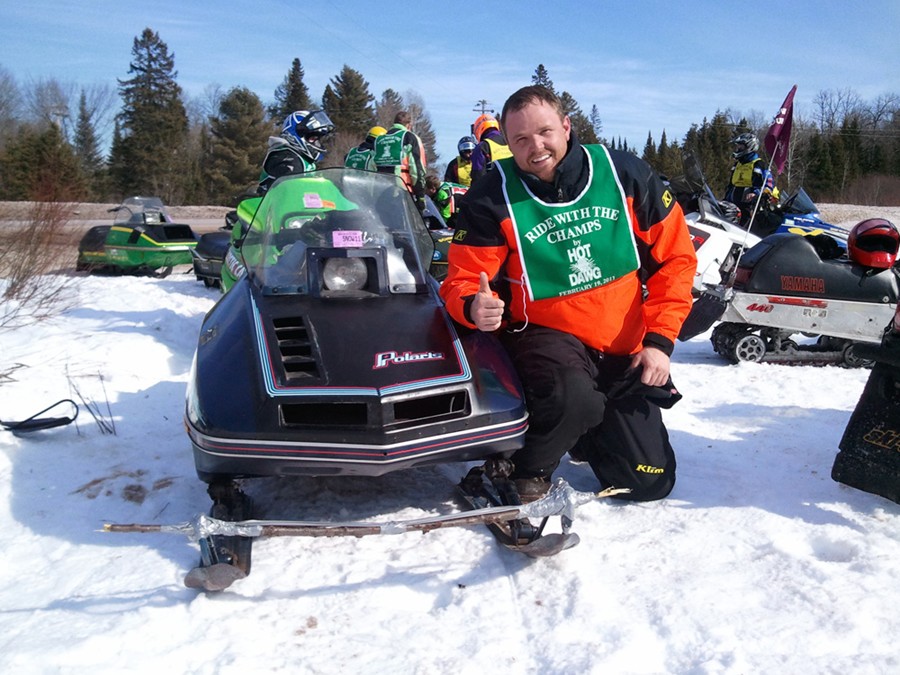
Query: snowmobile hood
point(351, 347)
point(334, 352)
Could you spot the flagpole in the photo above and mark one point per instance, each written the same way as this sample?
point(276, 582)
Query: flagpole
point(733, 272)
point(783, 120)
point(713, 301)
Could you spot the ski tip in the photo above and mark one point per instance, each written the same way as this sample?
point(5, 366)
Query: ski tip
point(213, 578)
point(548, 544)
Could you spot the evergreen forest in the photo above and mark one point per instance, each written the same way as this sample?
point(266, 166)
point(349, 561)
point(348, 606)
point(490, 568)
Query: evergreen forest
point(208, 150)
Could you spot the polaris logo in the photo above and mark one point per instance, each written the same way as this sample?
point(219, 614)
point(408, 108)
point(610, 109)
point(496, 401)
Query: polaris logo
point(385, 359)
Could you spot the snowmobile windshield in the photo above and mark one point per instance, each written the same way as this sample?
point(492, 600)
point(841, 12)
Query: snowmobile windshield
point(141, 211)
point(338, 232)
point(801, 202)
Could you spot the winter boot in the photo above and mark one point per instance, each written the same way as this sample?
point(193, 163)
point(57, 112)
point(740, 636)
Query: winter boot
point(532, 489)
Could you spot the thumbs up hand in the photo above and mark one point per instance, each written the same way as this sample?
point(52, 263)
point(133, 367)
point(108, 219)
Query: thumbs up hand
point(486, 310)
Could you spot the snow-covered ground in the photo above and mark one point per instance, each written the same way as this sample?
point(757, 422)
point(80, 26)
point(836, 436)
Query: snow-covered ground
point(758, 562)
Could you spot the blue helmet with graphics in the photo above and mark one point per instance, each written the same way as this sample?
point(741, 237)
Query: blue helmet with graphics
point(745, 145)
point(304, 131)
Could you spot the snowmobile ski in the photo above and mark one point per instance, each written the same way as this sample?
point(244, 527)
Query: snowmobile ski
point(224, 558)
point(490, 486)
point(518, 534)
point(225, 542)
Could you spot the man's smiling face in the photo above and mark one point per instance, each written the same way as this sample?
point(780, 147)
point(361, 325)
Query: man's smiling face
point(538, 138)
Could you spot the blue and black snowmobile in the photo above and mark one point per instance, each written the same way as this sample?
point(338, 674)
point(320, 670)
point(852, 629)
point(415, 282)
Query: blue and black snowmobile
point(332, 354)
point(798, 214)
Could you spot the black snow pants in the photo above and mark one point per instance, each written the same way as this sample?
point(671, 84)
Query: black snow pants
point(579, 398)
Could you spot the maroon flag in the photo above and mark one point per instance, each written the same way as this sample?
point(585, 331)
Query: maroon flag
point(779, 134)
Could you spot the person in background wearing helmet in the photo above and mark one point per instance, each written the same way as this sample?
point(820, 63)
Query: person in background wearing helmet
point(581, 260)
point(402, 153)
point(297, 149)
point(491, 145)
point(459, 170)
point(363, 155)
point(749, 176)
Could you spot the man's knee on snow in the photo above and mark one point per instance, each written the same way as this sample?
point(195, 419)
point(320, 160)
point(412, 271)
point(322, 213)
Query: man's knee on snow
point(657, 487)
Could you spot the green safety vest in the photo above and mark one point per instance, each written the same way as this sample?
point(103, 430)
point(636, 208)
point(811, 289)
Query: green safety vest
point(360, 159)
point(391, 153)
point(575, 246)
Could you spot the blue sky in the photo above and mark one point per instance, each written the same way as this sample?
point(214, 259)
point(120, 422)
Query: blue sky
point(648, 66)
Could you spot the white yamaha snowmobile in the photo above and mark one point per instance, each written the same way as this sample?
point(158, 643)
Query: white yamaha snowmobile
point(789, 284)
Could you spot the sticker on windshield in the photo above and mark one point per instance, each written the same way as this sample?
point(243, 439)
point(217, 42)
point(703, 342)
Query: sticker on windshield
point(347, 238)
point(312, 200)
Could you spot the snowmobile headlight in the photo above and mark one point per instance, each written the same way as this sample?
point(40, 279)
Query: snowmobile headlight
point(345, 274)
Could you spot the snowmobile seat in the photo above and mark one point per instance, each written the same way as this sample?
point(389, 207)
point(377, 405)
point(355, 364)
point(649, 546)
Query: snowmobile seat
point(94, 238)
point(792, 264)
point(214, 244)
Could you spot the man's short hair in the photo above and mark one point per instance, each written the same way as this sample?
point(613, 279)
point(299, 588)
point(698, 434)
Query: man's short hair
point(534, 93)
point(403, 118)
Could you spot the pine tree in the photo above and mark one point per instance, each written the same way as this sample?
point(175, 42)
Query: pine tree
point(237, 146)
point(150, 154)
point(291, 95)
point(581, 125)
point(386, 109)
point(542, 78)
point(87, 151)
point(649, 154)
point(40, 165)
point(820, 175)
point(349, 103)
point(10, 104)
point(421, 126)
point(596, 123)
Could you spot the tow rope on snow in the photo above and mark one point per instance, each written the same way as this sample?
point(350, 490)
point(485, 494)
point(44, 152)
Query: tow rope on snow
point(37, 423)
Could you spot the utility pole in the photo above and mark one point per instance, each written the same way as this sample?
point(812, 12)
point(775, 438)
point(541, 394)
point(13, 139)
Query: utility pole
point(482, 107)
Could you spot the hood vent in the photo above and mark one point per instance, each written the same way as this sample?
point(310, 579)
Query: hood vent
point(295, 347)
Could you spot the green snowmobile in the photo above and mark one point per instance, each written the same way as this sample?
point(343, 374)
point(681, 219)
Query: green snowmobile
point(143, 239)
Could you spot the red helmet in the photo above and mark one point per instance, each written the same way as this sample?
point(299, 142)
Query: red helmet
point(874, 243)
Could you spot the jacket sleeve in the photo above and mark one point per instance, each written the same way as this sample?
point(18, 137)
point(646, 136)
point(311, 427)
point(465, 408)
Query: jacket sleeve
point(478, 246)
point(479, 160)
point(451, 175)
point(417, 152)
point(668, 260)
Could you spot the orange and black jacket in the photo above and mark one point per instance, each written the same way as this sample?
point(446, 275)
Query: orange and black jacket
point(643, 308)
